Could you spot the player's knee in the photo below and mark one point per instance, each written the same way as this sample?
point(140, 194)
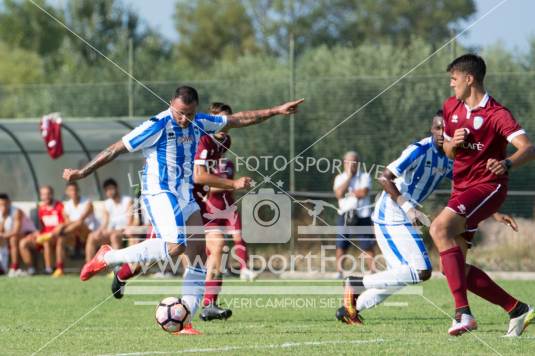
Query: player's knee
point(437, 230)
point(424, 275)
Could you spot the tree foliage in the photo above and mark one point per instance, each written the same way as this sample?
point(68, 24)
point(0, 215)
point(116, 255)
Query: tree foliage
point(213, 29)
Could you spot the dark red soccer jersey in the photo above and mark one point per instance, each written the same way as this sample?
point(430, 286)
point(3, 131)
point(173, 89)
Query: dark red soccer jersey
point(50, 216)
point(220, 199)
point(490, 127)
point(209, 152)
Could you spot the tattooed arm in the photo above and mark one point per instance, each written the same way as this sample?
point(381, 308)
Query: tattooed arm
point(248, 118)
point(104, 157)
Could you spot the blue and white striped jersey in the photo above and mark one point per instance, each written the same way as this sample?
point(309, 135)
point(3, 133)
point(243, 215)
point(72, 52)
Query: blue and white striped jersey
point(419, 170)
point(169, 151)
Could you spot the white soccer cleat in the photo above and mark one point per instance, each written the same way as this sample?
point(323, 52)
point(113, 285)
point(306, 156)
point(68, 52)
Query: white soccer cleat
point(247, 275)
point(467, 323)
point(519, 324)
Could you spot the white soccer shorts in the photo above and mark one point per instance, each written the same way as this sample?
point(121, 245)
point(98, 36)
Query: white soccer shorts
point(168, 215)
point(402, 245)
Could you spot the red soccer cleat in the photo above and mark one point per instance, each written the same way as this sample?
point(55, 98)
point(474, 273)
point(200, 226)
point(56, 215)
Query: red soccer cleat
point(188, 330)
point(96, 264)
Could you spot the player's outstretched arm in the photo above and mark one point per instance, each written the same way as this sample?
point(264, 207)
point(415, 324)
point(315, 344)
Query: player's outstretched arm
point(248, 118)
point(104, 157)
point(202, 176)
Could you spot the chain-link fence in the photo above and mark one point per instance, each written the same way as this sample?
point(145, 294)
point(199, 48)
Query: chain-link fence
point(379, 129)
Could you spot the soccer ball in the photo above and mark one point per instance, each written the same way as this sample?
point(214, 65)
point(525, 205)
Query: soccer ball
point(172, 315)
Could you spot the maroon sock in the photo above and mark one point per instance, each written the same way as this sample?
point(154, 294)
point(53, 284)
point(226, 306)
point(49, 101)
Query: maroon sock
point(241, 253)
point(453, 267)
point(479, 283)
point(126, 272)
point(59, 265)
point(211, 291)
point(14, 266)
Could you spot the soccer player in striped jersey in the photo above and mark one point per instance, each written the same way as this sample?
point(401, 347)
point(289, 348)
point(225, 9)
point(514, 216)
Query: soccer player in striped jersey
point(407, 182)
point(168, 142)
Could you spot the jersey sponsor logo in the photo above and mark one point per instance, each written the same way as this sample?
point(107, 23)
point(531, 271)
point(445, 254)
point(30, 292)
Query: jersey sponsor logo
point(439, 171)
point(474, 146)
point(185, 139)
point(478, 122)
point(455, 118)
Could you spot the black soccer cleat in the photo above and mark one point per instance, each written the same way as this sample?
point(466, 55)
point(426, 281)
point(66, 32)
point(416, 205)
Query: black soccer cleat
point(117, 287)
point(214, 312)
point(346, 317)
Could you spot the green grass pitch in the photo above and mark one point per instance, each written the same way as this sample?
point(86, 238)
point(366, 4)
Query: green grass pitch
point(34, 311)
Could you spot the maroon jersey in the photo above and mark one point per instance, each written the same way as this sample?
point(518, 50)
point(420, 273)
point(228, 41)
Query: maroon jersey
point(490, 127)
point(209, 152)
point(222, 199)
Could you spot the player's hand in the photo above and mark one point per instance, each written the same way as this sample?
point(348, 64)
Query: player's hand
point(459, 137)
point(507, 220)
point(289, 107)
point(496, 167)
point(418, 218)
point(70, 175)
point(242, 183)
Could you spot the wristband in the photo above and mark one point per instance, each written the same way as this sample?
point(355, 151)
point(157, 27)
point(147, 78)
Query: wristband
point(508, 164)
point(407, 206)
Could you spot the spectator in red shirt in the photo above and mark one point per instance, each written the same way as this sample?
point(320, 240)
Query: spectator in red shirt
point(50, 213)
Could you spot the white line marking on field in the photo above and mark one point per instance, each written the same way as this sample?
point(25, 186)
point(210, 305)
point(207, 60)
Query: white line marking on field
point(253, 347)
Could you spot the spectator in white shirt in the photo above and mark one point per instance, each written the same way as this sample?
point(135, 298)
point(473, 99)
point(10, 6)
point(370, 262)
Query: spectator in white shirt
point(117, 216)
point(352, 189)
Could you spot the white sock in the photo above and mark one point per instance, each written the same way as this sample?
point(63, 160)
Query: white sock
point(148, 251)
point(31, 270)
point(380, 286)
point(374, 296)
point(398, 276)
point(193, 288)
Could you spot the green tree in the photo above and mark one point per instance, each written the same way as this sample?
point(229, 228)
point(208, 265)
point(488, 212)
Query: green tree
point(352, 22)
point(212, 29)
point(24, 25)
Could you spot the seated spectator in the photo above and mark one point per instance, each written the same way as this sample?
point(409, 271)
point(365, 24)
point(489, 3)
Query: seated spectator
point(51, 223)
point(14, 225)
point(79, 217)
point(117, 215)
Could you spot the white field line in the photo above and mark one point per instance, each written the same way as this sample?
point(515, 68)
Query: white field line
point(285, 345)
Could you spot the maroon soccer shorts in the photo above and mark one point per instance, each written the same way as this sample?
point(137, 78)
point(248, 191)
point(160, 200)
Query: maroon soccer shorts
point(477, 203)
